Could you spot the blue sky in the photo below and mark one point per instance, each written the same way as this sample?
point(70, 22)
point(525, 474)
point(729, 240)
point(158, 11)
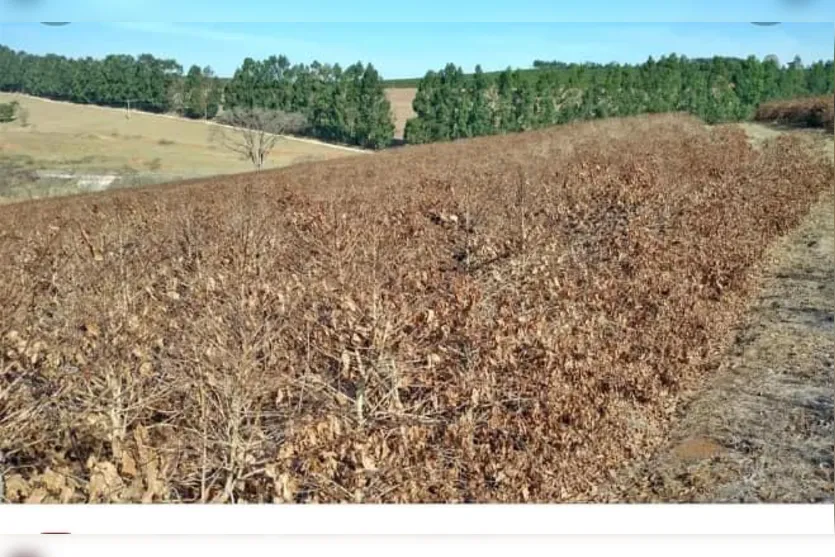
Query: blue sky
point(467, 32)
point(409, 49)
point(423, 10)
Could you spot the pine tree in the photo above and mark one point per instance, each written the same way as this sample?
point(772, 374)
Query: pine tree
point(212, 93)
point(420, 129)
point(480, 117)
point(416, 132)
point(524, 99)
point(749, 82)
point(771, 78)
point(819, 79)
point(240, 90)
point(505, 121)
point(374, 128)
point(194, 93)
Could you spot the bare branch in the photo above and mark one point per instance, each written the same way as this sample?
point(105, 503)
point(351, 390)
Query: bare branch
point(256, 131)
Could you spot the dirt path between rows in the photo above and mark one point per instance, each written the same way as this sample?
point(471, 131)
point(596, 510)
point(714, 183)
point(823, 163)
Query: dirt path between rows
point(763, 430)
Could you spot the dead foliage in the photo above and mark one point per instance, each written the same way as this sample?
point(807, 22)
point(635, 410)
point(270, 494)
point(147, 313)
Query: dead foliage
point(811, 112)
point(502, 319)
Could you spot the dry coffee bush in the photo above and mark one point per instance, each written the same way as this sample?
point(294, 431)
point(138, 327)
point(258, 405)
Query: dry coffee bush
point(501, 319)
point(812, 112)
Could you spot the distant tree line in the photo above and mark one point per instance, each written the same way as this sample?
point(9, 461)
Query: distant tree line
point(347, 106)
point(452, 105)
point(149, 83)
point(342, 105)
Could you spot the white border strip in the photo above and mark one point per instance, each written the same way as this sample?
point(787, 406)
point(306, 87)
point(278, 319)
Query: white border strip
point(413, 546)
point(417, 519)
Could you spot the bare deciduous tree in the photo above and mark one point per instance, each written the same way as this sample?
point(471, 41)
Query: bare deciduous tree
point(255, 132)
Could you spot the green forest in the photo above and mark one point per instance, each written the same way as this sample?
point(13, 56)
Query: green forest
point(451, 105)
point(349, 105)
point(341, 105)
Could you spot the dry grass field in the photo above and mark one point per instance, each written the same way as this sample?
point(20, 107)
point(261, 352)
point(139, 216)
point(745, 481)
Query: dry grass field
point(401, 106)
point(97, 139)
point(510, 319)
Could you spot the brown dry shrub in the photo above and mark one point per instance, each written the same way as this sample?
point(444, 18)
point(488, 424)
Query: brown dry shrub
point(812, 112)
point(501, 319)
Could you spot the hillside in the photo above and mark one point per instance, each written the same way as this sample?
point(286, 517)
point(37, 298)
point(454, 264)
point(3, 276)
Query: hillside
point(761, 430)
point(345, 106)
point(505, 319)
point(401, 108)
point(144, 148)
point(349, 105)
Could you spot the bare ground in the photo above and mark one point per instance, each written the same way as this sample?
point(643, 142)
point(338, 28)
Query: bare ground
point(401, 107)
point(763, 430)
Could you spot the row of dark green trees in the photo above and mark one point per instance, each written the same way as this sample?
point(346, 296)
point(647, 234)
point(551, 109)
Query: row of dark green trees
point(451, 105)
point(149, 83)
point(342, 105)
point(349, 105)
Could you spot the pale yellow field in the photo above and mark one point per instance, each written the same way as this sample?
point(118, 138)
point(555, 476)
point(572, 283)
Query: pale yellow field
point(96, 138)
point(401, 107)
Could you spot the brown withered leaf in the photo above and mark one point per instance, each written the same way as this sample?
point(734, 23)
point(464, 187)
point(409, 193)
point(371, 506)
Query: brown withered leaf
point(520, 358)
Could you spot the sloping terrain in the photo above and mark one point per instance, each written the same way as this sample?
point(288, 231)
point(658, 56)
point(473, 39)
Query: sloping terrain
point(401, 108)
point(764, 429)
point(67, 137)
point(513, 318)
